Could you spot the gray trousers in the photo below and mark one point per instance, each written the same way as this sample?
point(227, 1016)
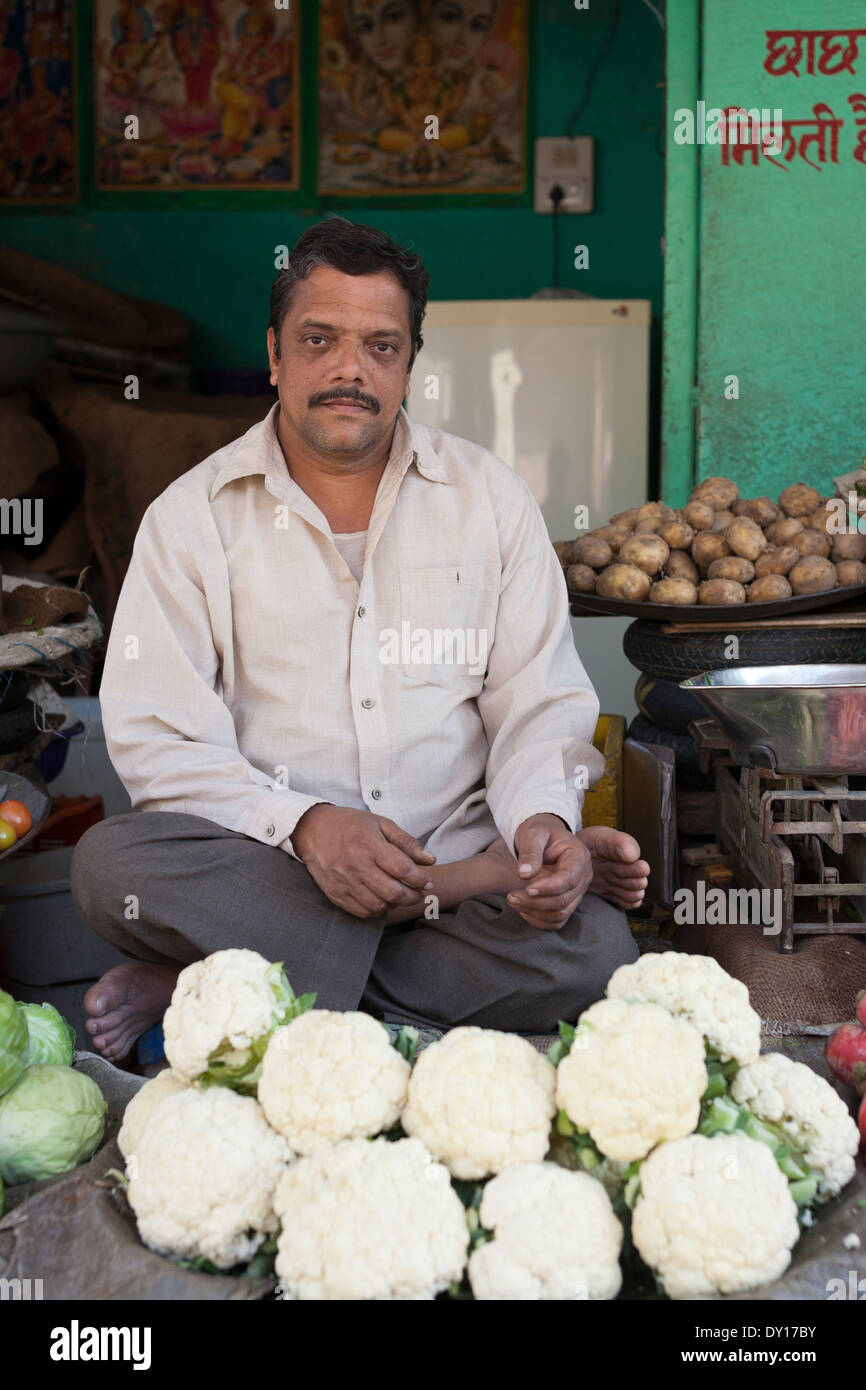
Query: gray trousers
point(171, 888)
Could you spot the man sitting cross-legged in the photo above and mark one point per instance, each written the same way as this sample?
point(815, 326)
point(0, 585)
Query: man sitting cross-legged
point(342, 690)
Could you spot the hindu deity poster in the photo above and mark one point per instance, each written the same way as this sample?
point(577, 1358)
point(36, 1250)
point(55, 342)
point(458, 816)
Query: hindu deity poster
point(212, 86)
point(422, 96)
point(38, 155)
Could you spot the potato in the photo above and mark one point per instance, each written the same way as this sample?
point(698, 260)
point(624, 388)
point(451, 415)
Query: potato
point(732, 567)
point(716, 500)
point(812, 575)
point(649, 526)
point(823, 518)
point(782, 532)
point(629, 518)
point(776, 559)
point(589, 550)
point(614, 535)
point(708, 546)
point(655, 509)
point(760, 509)
point(680, 565)
point(674, 591)
point(812, 543)
point(699, 515)
point(563, 551)
point(649, 553)
point(768, 588)
point(799, 499)
point(848, 545)
point(746, 538)
point(720, 487)
point(722, 520)
point(849, 572)
point(721, 591)
point(623, 581)
point(580, 578)
point(677, 534)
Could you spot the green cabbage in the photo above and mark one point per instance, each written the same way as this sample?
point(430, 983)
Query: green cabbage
point(14, 1044)
point(51, 1038)
point(51, 1120)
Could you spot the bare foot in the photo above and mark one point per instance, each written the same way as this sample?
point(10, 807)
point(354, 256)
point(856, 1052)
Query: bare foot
point(618, 873)
point(129, 999)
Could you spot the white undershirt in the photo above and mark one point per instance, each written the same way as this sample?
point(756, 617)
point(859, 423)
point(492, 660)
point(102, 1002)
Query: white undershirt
point(351, 545)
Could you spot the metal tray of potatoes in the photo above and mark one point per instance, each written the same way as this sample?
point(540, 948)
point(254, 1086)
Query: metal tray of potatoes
point(586, 605)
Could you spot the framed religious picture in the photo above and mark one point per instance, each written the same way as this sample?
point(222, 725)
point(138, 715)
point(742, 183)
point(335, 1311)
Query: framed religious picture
point(38, 148)
point(422, 96)
point(194, 94)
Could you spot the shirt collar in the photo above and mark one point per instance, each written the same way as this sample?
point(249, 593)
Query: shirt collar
point(259, 451)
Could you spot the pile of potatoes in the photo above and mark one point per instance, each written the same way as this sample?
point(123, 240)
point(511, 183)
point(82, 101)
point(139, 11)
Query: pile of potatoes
point(718, 549)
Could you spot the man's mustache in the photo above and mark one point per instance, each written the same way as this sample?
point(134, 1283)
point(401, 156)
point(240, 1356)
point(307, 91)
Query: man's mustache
point(346, 395)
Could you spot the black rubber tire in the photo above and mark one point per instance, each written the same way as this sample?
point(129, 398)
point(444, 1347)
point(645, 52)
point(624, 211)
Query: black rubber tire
point(674, 657)
point(17, 727)
point(686, 755)
point(666, 705)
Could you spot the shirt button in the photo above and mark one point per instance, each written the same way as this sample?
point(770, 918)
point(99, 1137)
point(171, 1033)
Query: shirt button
point(270, 830)
point(375, 793)
point(368, 703)
point(361, 611)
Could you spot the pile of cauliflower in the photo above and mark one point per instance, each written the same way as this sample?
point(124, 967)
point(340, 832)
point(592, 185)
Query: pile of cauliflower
point(482, 1169)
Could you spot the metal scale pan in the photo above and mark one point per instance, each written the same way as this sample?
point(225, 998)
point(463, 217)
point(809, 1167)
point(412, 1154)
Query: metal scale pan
point(794, 720)
point(806, 727)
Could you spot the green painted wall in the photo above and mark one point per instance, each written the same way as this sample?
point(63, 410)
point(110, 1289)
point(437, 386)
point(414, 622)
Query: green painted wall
point(214, 261)
point(682, 86)
point(781, 263)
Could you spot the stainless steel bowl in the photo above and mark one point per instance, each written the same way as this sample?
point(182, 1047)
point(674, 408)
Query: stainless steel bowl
point(795, 720)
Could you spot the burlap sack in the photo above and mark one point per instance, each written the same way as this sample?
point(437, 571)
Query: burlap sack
point(131, 451)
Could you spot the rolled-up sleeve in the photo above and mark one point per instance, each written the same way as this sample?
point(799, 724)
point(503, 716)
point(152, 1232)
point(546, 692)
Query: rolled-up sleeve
point(538, 706)
point(169, 734)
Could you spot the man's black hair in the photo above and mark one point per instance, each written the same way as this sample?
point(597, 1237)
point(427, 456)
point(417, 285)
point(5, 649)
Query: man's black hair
point(355, 249)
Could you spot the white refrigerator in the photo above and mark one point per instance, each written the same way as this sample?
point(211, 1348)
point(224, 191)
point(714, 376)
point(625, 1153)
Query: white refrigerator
point(558, 389)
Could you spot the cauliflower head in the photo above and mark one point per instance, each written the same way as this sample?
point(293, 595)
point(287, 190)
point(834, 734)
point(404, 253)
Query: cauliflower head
point(699, 990)
point(203, 1183)
point(330, 1076)
point(136, 1116)
point(222, 1013)
point(556, 1237)
point(634, 1076)
point(714, 1216)
point(481, 1101)
point(808, 1110)
point(369, 1219)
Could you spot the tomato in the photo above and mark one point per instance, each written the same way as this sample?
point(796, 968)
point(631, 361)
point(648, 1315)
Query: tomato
point(17, 815)
point(7, 834)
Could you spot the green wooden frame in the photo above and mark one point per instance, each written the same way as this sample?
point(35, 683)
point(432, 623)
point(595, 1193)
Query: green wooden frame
point(682, 264)
point(303, 201)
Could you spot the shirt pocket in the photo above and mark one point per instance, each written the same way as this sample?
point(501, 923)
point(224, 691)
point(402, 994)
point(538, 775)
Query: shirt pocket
point(447, 616)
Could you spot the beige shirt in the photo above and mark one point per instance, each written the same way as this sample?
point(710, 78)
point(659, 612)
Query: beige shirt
point(249, 675)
